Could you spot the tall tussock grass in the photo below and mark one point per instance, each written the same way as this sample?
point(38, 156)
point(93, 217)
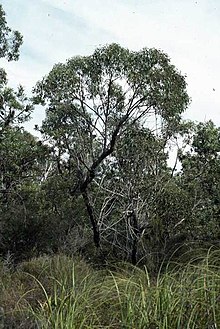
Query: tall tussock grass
point(60, 292)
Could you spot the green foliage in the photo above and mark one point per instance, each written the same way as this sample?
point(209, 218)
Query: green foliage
point(22, 170)
point(89, 99)
point(21, 157)
point(15, 107)
point(200, 179)
point(206, 142)
point(116, 81)
point(10, 41)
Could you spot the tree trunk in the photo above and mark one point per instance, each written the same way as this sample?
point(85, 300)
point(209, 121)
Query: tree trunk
point(90, 211)
point(135, 229)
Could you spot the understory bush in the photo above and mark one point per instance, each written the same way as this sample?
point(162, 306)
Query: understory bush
point(61, 292)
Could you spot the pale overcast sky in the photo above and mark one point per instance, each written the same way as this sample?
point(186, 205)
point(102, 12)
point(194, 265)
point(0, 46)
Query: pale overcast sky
point(188, 31)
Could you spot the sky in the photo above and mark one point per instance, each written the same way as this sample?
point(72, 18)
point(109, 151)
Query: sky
point(55, 30)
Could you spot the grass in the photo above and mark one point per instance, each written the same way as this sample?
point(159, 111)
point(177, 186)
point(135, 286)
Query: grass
point(59, 292)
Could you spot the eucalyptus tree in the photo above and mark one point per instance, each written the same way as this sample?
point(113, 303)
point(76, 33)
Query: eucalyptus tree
point(90, 101)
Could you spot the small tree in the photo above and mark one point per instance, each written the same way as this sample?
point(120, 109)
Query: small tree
point(90, 101)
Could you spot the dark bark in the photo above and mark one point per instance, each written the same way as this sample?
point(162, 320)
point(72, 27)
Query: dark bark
point(91, 175)
point(82, 187)
point(106, 152)
point(95, 227)
point(135, 229)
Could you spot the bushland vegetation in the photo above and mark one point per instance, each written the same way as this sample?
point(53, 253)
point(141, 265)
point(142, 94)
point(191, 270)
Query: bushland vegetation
point(96, 190)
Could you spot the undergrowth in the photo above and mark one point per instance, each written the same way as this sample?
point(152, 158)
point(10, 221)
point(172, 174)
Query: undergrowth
point(60, 292)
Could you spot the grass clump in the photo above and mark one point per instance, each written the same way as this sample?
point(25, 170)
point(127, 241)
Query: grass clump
point(61, 292)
